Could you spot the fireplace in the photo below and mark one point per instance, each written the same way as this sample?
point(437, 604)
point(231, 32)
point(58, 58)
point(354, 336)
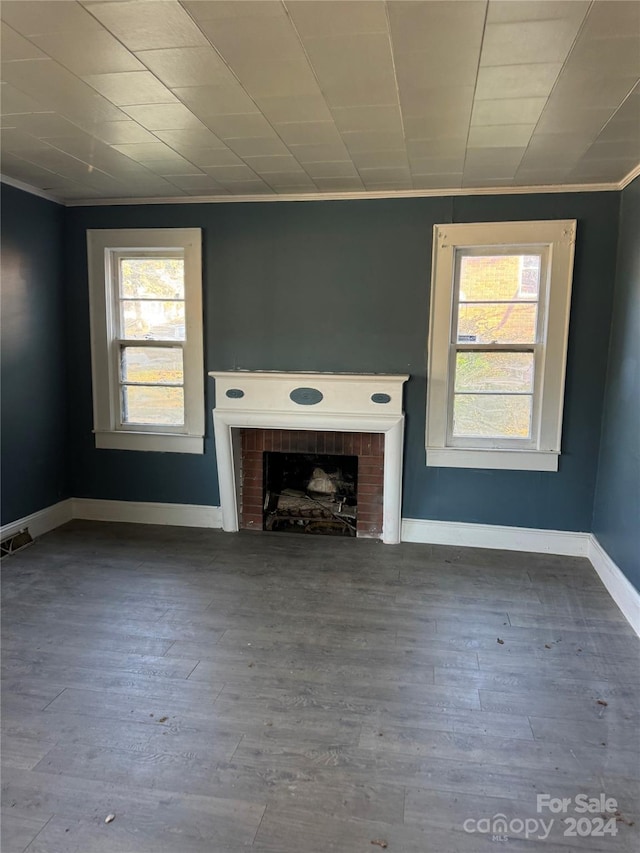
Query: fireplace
point(319, 416)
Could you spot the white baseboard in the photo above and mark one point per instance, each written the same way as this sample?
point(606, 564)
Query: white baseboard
point(142, 512)
point(625, 595)
point(564, 542)
point(40, 522)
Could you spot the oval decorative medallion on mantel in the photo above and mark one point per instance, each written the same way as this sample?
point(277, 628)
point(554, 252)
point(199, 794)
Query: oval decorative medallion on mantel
point(235, 393)
point(380, 398)
point(306, 396)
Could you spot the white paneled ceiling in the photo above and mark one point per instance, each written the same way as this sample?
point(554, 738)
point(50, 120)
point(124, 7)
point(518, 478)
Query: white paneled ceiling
point(166, 99)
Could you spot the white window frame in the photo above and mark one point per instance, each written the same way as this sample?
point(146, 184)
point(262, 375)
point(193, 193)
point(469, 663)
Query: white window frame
point(104, 248)
point(540, 452)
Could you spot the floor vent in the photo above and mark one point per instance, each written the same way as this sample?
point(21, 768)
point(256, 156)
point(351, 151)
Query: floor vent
point(14, 543)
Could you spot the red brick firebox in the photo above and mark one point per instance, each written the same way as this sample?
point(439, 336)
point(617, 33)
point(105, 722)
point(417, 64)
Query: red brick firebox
point(367, 446)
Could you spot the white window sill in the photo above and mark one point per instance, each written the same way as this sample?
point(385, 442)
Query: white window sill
point(506, 460)
point(157, 442)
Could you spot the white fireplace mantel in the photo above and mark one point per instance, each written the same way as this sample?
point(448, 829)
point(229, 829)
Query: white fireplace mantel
point(339, 402)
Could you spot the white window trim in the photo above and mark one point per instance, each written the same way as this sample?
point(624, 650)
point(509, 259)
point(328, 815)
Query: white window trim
point(542, 453)
point(101, 243)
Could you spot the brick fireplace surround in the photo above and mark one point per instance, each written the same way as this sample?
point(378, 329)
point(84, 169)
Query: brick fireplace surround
point(367, 446)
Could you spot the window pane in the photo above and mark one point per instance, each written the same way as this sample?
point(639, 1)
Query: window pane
point(152, 320)
point(500, 323)
point(489, 278)
point(494, 371)
point(491, 416)
point(152, 278)
point(144, 404)
point(152, 364)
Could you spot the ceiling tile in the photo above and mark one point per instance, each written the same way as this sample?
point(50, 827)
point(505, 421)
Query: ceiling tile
point(528, 42)
point(47, 16)
point(309, 133)
point(15, 47)
point(436, 147)
point(309, 107)
point(289, 181)
point(118, 132)
point(381, 159)
point(364, 140)
point(240, 126)
point(588, 122)
point(335, 169)
point(500, 136)
point(129, 88)
point(384, 119)
point(192, 137)
point(243, 42)
point(187, 66)
point(227, 99)
point(319, 153)
point(438, 67)
point(446, 102)
point(354, 70)
point(45, 125)
point(203, 183)
point(241, 172)
point(173, 165)
point(258, 146)
point(317, 19)
point(503, 11)
point(384, 173)
point(492, 162)
point(142, 151)
point(426, 25)
point(436, 165)
point(281, 78)
point(339, 184)
point(277, 163)
point(588, 90)
point(612, 19)
point(205, 158)
point(212, 10)
point(12, 101)
point(97, 52)
point(445, 180)
point(62, 91)
point(163, 116)
point(507, 111)
point(148, 24)
point(517, 81)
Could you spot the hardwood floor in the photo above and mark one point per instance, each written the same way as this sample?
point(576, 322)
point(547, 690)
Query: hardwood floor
point(298, 694)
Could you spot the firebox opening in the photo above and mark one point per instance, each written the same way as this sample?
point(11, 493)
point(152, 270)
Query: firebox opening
point(310, 493)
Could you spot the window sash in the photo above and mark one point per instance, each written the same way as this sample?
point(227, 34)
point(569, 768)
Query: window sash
point(119, 342)
point(536, 347)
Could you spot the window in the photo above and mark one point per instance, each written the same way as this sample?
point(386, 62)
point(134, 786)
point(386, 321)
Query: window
point(145, 289)
point(500, 298)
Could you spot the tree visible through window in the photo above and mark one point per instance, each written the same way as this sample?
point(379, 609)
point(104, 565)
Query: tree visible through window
point(151, 307)
point(495, 341)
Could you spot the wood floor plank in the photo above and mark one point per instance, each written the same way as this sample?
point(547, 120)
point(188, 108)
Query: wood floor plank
point(282, 693)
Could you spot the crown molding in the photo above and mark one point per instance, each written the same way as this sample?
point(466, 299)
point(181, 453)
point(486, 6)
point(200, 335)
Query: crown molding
point(633, 174)
point(28, 188)
point(351, 196)
point(333, 196)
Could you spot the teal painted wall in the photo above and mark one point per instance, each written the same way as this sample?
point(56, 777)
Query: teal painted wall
point(32, 358)
point(616, 518)
point(345, 286)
